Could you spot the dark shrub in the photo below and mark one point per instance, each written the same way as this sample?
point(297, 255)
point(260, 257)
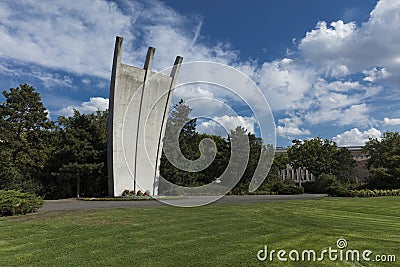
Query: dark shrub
point(14, 202)
point(321, 184)
point(339, 190)
point(287, 189)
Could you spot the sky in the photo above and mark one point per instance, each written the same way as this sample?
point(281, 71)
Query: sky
point(326, 68)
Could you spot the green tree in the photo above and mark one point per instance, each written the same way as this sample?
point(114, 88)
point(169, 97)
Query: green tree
point(274, 178)
point(180, 123)
point(345, 165)
point(189, 141)
point(255, 145)
point(25, 139)
point(384, 161)
point(79, 166)
point(322, 156)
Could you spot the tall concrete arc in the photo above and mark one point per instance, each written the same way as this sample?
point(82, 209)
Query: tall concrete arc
point(138, 110)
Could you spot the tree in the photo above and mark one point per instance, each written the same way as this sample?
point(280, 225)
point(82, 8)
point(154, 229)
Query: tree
point(25, 139)
point(274, 176)
point(180, 123)
point(384, 161)
point(322, 156)
point(180, 119)
point(248, 144)
point(345, 167)
point(255, 146)
point(79, 167)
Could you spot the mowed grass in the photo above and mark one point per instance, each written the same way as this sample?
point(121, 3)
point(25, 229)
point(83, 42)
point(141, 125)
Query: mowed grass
point(213, 235)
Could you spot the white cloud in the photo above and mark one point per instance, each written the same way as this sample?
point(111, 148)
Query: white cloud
point(93, 105)
point(357, 114)
point(53, 79)
point(323, 44)
point(375, 43)
point(189, 92)
point(86, 81)
point(355, 137)
point(285, 83)
point(48, 79)
point(80, 38)
point(375, 74)
point(391, 122)
point(291, 127)
point(224, 124)
point(340, 102)
point(63, 34)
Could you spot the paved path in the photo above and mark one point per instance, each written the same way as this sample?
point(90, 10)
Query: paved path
point(73, 204)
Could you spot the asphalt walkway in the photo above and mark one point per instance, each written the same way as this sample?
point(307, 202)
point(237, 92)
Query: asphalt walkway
point(73, 204)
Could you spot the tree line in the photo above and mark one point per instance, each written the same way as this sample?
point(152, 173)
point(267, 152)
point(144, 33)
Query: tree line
point(55, 159)
point(68, 157)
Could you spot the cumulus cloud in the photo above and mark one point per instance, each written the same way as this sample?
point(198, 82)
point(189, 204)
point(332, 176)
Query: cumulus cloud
point(391, 122)
point(224, 124)
point(91, 106)
point(189, 92)
point(204, 101)
point(289, 85)
point(355, 137)
point(285, 83)
point(343, 48)
point(375, 74)
point(357, 114)
point(291, 127)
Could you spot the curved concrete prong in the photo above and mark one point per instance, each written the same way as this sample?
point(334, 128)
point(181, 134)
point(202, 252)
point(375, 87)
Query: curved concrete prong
point(149, 58)
point(176, 67)
point(173, 75)
point(110, 124)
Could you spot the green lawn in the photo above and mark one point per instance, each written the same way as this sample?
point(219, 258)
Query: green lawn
point(213, 235)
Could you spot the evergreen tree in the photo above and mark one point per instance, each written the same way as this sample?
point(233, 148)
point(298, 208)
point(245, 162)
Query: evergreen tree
point(79, 166)
point(25, 139)
point(180, 123)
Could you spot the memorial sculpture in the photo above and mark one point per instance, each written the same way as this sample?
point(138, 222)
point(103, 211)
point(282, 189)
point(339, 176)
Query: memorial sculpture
point(138, 110)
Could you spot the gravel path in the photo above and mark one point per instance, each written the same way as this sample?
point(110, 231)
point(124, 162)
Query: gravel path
point(73, 204)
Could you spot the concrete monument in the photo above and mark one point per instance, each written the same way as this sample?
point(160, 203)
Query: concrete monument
point(138, 111)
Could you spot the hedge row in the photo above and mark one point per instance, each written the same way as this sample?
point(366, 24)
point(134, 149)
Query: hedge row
point(14, 202)
point(286, 189)
point(340, 192)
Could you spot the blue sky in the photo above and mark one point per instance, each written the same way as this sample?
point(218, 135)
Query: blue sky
point(328, 68)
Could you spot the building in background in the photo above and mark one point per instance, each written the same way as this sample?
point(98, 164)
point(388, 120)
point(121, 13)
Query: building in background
point(302, 175)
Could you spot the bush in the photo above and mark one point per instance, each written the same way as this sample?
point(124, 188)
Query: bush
point(339, 190)
point(14, 202)
point(321, 184)
point(286, 189)
point(343, 192)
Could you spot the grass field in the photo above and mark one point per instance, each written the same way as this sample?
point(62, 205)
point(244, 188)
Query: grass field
point(213, 235)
